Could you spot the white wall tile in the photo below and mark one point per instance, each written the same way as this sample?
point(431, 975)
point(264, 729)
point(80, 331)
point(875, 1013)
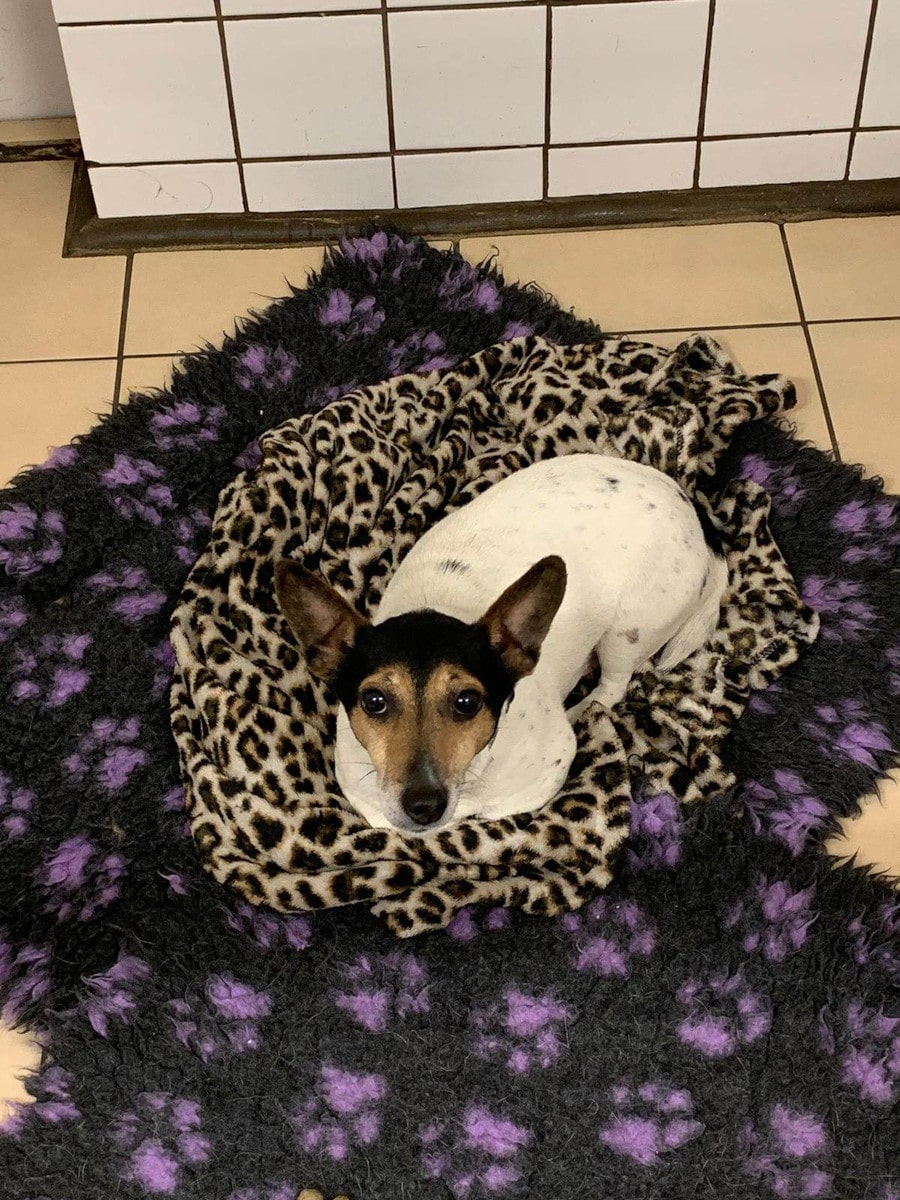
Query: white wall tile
point(785, 64)
point(472, 77)
point(166, 188)
point(774, 159)
point(627, 71)
point(311, 85)
point(250, 8)
point(475, 177)
point(354, 183)
point(149, 93)
point(130, 10)
point(876, 155)
point(881, 105)
point(599, 170)
point(33, 82)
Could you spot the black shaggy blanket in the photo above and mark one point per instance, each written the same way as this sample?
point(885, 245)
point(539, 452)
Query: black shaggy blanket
point(721, 1021)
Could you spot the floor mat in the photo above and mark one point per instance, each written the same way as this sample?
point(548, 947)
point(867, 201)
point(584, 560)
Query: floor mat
point(722, 1021)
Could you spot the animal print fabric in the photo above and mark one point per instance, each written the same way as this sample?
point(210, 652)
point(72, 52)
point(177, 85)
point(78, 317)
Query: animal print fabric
point(347, 491)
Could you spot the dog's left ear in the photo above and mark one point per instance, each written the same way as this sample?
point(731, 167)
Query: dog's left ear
point(322, 621)
point(520, 619)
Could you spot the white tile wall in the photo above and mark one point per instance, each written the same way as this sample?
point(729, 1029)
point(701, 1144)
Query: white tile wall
point(876, 155)
point(599, 170)
point(627, 71)
point(149, 93)
point(319, 184)
point(309, 85)
point(167, 188)
point(468, 77)
point(882, 100)
point(454, 110)
point(479, 177)
point(785, 64)
point(774, 159)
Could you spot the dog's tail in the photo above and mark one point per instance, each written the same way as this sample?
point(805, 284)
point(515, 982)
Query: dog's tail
point(701, 624)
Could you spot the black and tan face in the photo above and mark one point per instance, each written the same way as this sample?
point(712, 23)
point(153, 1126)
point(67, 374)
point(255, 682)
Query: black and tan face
point(423, 692)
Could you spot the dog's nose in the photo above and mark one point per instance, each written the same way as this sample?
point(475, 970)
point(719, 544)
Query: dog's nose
point(424, 803)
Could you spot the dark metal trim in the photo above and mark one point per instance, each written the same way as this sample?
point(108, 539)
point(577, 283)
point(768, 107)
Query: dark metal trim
point(87, 234)
point(65, 149)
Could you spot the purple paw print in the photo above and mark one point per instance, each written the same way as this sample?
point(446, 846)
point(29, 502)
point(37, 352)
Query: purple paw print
point(16, 804)
point(29, 542)
point(53, 671)
point(870, 528)
point(52, 1092)
point(59, 457)
point(135, 489)
point(723, 1013)
point(111, 995)
point(190, 531)
point(608, 935)
point(110, 752)
point(24, 977)
point(163, 658)
point(382, 986)
point(466, 923)
point(78, 879)
point(322, 396)
point(877, 939)
point(655, 839)
point(844, 617)
point(271, 1191)
point(268, 928)
point(225, 1021)
point(764, 702)
point(786, 809)
point(481, 1154)
point(516, 329)
point(649, 1121)
point(464, 287)
point(780, 482)
point(773, 919)
point(250, 457)
point(343, 1112)
point(892, 655)
point(847, 728)
point(134, 596)
point(868, 1044)
point(184, 425)
point(375, 252)
point(13, 617)
point(788, 1151)
point(348, 319)
point(522, 1032)
point(258, 366)
point(420, 352)
point(157, 1139)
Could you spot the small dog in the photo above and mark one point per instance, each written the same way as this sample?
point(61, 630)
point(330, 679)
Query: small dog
point(452, 699)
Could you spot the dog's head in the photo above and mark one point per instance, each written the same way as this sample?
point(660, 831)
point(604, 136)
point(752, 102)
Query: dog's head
point(423, 691)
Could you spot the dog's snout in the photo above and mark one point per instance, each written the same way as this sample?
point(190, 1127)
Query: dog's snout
point(424, 803)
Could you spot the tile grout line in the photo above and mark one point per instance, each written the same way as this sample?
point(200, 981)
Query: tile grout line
point(123, 326)
point(548, 78)
point(809, 342)
point(863, 79)
point(704, 91)
point(229, 96)
point(389, 99)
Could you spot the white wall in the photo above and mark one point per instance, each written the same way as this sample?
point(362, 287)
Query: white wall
point(32, 76)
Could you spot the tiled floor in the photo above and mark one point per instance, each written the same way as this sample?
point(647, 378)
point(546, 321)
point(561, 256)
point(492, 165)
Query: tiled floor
point(820, 302)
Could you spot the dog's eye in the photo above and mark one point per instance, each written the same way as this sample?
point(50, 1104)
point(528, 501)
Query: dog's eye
point(374, 702)
point(468, 704)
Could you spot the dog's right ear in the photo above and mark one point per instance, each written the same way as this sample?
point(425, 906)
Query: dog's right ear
point(322, 621)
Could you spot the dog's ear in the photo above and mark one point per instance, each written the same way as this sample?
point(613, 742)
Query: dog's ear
point(520, 619)
point(322, 621)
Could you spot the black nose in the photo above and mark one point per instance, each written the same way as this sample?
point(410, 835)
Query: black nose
point(424, 803)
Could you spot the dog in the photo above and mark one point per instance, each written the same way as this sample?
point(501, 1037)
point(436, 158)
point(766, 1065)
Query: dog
point(452, 700)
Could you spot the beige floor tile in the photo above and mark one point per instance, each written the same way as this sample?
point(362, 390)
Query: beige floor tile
point(145, 374)
point(760, 351)
point(860, 366)
point(874, 835)
point(53, 129)
point(47, 404)
point(51, 307)
point(178, 300)
point(847, 268)
point(655, 278)
point(20, 1055)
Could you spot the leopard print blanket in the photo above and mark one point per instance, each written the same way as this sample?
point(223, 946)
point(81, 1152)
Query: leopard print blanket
point(347, 491)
